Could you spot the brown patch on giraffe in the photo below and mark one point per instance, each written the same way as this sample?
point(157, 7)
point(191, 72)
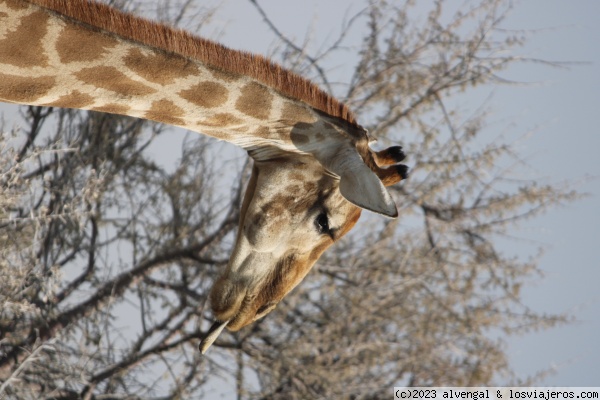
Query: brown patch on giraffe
point(112, 108)
point(294, 189)
point(310, 187)
point(223, 75)
point(75, 43)
point(112, 79)
point(25, 90)
point(262, 132)
point(3, 14)
point(283, 132)
point(16, 5)
point(297, 113)
point(75, 99)
point(295, 176)
point(206, 94)
point(222, 119)
point(292, 202)
point(165, 111)
point(14, 50)
point(276, 207)
point(255, 100)
point(159, 67)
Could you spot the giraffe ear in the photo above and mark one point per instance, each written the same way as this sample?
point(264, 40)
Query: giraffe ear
point(361, 187)
point(358, 183)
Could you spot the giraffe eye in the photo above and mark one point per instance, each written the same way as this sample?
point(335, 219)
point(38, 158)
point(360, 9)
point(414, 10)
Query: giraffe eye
point(322, 223)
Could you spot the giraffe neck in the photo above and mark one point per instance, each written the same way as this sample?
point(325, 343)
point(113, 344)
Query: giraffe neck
point(49, 58)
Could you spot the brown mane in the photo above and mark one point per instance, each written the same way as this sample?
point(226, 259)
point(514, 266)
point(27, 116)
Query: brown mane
point(177, 41)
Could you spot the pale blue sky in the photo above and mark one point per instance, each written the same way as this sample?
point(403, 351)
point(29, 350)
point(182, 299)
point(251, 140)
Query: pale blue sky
point(560, 106)
point(563, 109)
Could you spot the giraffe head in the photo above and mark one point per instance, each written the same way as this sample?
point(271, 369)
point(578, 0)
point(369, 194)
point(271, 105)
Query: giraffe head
point(295, 207)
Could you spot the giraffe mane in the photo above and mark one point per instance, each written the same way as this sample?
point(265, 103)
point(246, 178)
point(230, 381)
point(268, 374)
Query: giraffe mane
point(171, 40)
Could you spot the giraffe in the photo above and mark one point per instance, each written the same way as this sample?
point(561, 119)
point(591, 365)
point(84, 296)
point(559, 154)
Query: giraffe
point(313, 169)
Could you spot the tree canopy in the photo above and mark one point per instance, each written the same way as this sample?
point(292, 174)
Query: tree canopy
point(107, 254)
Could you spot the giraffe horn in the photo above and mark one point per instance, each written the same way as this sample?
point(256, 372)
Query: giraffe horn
point(211, 335)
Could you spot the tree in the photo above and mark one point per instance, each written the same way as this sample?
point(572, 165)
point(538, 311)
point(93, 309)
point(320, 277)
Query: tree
point(107, 255)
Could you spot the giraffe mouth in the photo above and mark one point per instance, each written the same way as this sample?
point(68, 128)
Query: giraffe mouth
point(212, 335)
